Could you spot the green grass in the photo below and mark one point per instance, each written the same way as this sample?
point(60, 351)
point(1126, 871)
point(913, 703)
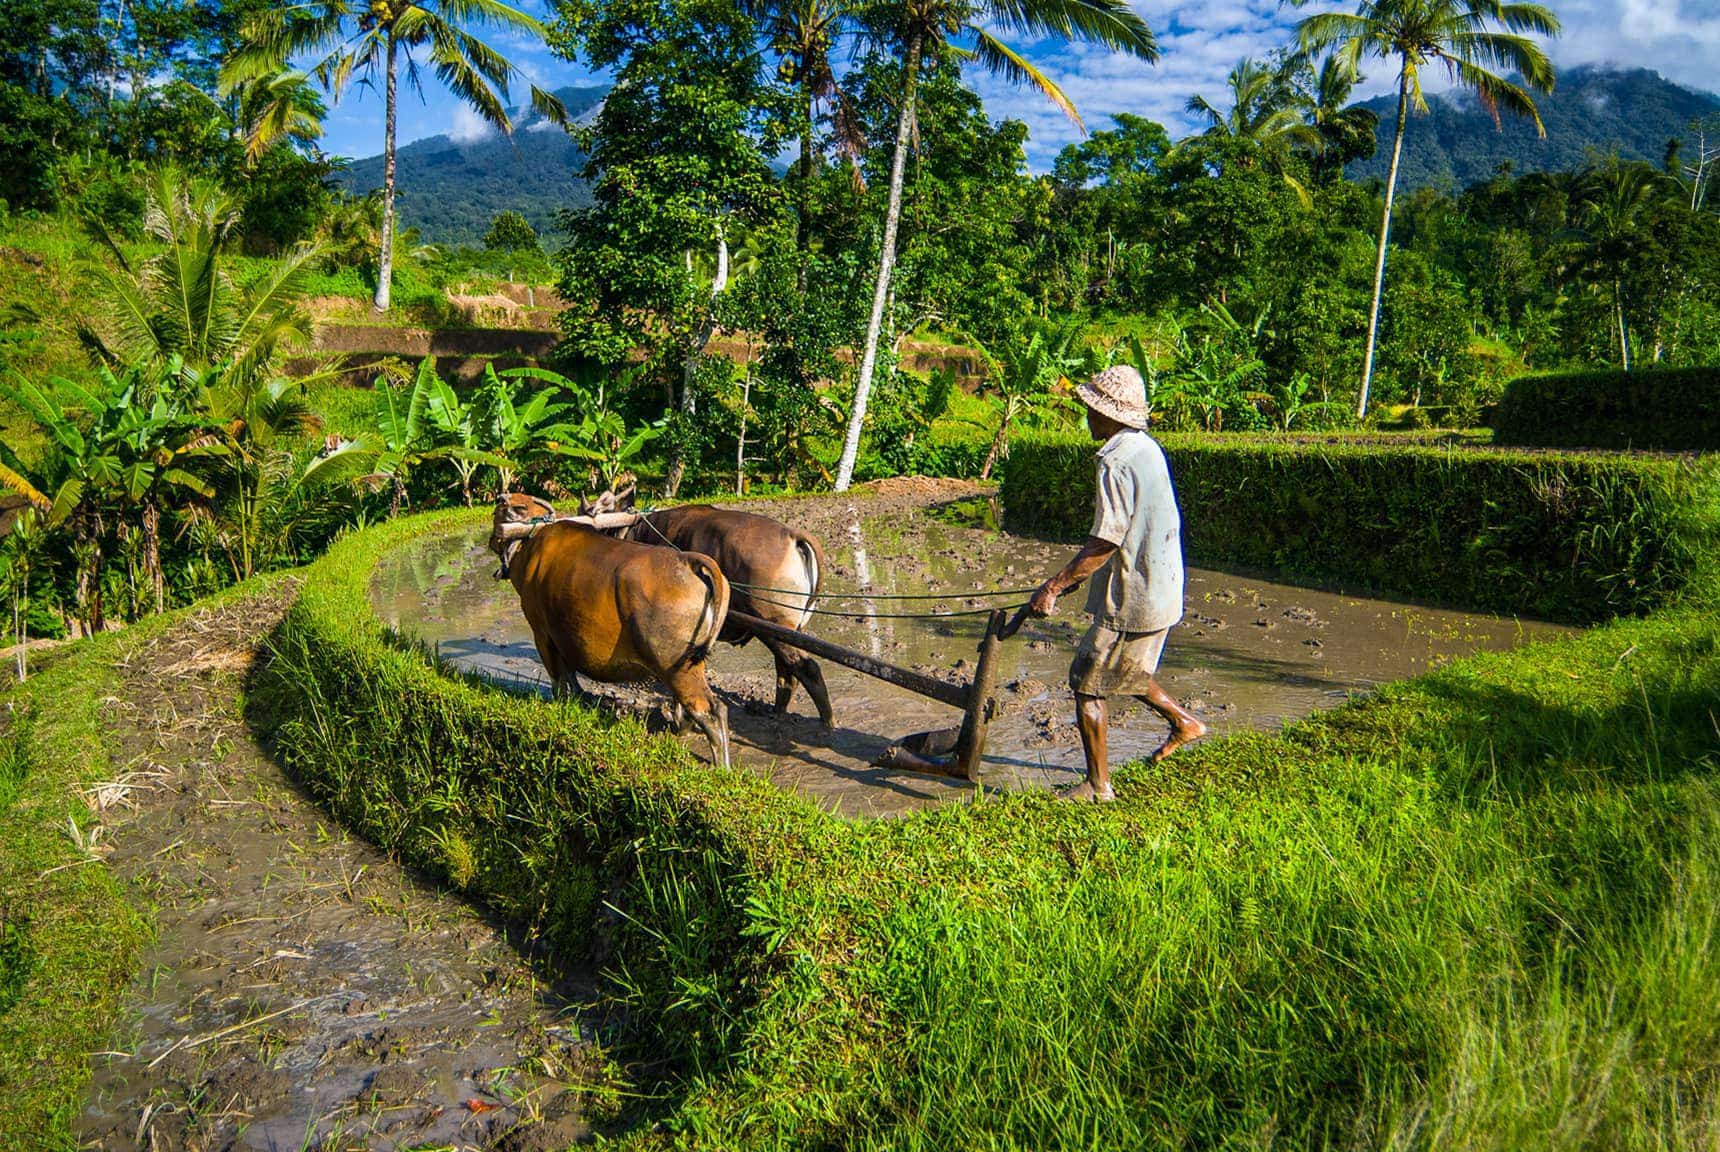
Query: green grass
point(69, 939)
point(1475, 910)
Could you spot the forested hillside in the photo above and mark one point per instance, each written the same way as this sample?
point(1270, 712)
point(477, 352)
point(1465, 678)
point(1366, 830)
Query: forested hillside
point(452, 189)
point(1594, 111)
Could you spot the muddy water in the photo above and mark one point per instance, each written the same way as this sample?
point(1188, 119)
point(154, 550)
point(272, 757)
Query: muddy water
point(1249, 653)
point(304, 992)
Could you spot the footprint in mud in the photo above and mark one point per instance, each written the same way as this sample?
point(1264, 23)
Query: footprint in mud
point(1268, 625)
point(1224, 596)
point(1299, 615)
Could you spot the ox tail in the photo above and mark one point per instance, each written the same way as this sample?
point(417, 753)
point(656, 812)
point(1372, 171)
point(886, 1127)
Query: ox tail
point(716, 603)
point(812, 556)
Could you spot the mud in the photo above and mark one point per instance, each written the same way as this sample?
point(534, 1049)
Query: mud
point(1249, 653)
point(304, 992)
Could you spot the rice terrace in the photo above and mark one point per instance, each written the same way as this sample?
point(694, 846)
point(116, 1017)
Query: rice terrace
point(859, 575)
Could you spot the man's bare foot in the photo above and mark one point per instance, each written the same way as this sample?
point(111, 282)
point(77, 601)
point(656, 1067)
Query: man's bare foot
point(1085, 793)
point(1180, 734)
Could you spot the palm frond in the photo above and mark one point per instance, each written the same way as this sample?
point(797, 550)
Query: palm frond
point(998, 57)
point(1113, 23)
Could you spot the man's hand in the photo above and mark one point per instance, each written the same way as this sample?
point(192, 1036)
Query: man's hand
point(1044, 601)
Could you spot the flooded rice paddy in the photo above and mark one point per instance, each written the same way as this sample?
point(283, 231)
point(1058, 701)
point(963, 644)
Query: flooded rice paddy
point(1249, 654)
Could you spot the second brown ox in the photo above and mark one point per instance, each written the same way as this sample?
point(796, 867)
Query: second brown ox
point(776, 572)
point(615, 610)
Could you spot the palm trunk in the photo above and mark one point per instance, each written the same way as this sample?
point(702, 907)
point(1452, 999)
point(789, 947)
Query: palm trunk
point(385, 266)
point(21, 622)
point(886, 262)
point(741, 440)
point(1623, 335)
point(803, 223)
point(1385, 235)
point(997, 442)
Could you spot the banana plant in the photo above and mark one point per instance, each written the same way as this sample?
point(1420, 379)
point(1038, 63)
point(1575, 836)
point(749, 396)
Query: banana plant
point(1026, 375)
point(522, 429)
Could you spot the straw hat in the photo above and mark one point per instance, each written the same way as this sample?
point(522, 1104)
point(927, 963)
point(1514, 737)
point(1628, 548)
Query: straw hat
point(1117, 392)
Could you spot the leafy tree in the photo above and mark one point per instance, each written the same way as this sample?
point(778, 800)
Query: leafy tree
point(1416, 33)
point(511, 232)
point(924, 29)
point(676, 170)
point(352, 39)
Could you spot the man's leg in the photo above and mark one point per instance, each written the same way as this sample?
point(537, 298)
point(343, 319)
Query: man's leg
point(1185, 729)
point(1091, 719)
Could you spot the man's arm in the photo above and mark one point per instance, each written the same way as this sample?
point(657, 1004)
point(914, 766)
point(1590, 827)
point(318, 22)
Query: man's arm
point(1083, 564)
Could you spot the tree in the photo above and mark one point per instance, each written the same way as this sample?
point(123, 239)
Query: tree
point(925, 28)
point(1415, 34)
point(511, 232)
point(1264, 108)
point(803, 34)
point(677, 171)
point(353, 38)
point(1612, 202)
point(1347, 131)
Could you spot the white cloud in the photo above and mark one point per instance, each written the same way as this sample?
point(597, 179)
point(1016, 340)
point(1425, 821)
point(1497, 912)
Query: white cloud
point(465, 126)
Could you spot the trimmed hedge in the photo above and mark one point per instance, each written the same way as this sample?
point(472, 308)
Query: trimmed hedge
point(1578, 538)
point(1660, 409)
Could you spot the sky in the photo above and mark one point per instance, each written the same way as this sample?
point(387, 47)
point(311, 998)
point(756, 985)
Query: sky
point(1199, 41)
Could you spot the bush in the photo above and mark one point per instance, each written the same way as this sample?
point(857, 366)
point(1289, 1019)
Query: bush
point(1433, 917)
point(1663, 409)
point(1574, 538)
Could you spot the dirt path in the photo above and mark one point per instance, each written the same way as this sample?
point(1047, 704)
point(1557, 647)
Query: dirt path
point(305, 991)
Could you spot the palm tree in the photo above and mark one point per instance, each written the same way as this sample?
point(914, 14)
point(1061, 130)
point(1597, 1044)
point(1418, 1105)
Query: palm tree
point(358, 37)
point(280, 106)
point(180, 311)
point(803, 34)
point(924, 26)
point(1264, 108)
point(1347, 132)
point(1610, 204)
point(1458, 34)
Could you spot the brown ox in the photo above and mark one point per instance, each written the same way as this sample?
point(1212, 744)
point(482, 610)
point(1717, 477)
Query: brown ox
point(614, 610)
point(756, 553)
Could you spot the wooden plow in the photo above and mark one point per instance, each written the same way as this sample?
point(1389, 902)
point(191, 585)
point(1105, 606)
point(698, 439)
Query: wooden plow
point(973, 699)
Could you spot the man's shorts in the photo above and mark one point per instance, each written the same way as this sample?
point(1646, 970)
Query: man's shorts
point(1112, 663)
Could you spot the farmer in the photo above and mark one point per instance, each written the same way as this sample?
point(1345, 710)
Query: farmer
point(1134, 554)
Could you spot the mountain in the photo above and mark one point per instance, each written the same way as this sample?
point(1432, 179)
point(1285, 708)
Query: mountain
point(1593, 110)
point(451, 189)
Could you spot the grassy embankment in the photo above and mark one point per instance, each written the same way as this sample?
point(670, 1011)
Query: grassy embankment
point(70, 934)
point(1477, 909)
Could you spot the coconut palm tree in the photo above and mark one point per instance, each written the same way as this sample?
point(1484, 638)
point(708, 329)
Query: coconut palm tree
point(180, 312)
point(1347, 131)
point(1264, 108)
point(803, 34)
point(925, 27)
point(360, 37)
point(1463, 37)
point(1610, 204)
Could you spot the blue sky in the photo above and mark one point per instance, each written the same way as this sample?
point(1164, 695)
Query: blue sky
point(1199, 41)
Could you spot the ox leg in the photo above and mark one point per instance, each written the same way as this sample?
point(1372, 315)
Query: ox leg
point(694, 700)
point(796, 667)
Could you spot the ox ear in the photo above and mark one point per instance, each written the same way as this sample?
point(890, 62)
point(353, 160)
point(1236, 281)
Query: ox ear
point(625, 492)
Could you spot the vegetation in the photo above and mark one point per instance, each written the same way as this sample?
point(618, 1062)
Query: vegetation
point(1234, 941)
point(1667, 409)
